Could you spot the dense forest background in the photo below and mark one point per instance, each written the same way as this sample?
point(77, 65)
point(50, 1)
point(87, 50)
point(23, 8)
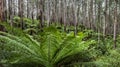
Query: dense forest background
point(48, 22)
point(100, 15)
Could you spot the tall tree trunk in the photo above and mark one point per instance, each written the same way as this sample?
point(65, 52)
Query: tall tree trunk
point(91, 14)
point(99, 20)
point(115, 24)
point(33, 12)
point(84, 8)
point(20, 3)
point(64, 14)
point(28, 12)
point(11, 12)
point(41, 11)
point(1, 14)
point(1, 10)
point(106, 18)
point(4, 11)
point(75, 18)
point(37, 9)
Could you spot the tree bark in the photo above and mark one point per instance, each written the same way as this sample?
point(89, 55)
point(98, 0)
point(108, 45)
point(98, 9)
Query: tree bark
point(64, 14)
point(1, 14)
point(4, 11)
point(105, 21)
point(1, 10)
point(99, 20)
point(20, 3)
point(115, 24)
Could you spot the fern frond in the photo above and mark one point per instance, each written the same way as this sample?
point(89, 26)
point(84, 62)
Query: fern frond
point(51, 51)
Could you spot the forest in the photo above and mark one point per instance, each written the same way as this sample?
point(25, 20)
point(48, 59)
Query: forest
point(59, 33)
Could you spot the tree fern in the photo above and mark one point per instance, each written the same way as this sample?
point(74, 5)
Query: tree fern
point(49, 52)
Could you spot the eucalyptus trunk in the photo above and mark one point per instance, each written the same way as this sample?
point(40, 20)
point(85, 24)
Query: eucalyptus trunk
point(1, 14)
point(21, 10)
point(115, 24)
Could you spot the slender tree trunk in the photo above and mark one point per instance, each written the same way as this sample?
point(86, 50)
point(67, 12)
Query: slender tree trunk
point(91, 14)
point(84, 11)
point(64, 14)
point(37, 9)
point(28, 10)
point(41, 13)
point(11, 12)
point(1, 14)
point(1, 10)
point(105, 13)
point(95, 17)
point(75, 18)
point(33, 12)
point(115, 24)
point(20, 3)
point(99, 20)
point(4, 11)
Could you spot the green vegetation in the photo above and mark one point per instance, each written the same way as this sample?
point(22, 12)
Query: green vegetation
point(54, 48)
point(49, 48)
point(59, 33)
